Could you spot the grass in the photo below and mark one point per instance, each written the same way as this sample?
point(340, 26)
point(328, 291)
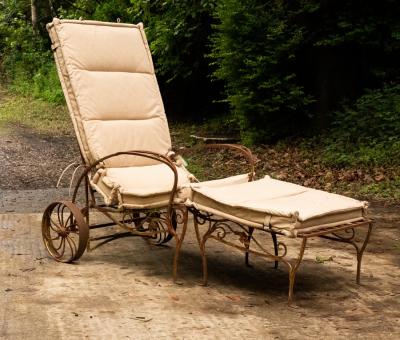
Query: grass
point(388, 190)
point(40, 116)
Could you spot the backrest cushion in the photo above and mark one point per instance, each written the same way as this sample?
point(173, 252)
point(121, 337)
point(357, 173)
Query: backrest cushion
point(111, 89)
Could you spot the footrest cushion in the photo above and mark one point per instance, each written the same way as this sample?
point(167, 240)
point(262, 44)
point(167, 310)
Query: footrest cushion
point(283, 206)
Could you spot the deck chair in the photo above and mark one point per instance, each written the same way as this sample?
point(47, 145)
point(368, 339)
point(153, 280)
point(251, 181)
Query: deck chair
point(132, 176)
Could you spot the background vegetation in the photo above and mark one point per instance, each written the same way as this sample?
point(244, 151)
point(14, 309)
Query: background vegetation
point(321, 74)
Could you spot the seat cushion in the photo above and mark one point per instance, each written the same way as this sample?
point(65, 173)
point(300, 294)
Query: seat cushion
point(269, 203)
point(139, 187)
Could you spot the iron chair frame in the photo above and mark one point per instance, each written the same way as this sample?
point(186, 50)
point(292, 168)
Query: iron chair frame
point(156, 224)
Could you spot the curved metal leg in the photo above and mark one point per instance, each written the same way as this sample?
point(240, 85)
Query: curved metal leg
point(181, 216)
point(351, 239)
point(247, 246)
point(87, 203)
point(361, 251)
point(275, 240)
point(202, 246)
point(293, 269)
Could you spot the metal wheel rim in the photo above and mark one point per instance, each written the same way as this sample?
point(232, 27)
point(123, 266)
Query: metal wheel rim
point(70, 221)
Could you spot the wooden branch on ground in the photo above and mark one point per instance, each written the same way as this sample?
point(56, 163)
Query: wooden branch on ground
point(216, 139)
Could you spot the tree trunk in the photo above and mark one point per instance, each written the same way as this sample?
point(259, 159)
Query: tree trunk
point(34, 15)
point(52, 11)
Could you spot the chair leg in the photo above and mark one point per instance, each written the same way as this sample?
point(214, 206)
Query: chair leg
point(293, 267)
point(247, 246)
point(275, 240)
point(202, 246)
point(360, 253)
point(179, 240)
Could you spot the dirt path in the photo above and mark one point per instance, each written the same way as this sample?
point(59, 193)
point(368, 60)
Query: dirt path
point(124, 289)
point(30, 165)
point(32, 161)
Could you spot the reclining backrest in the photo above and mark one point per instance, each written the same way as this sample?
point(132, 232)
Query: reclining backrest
point(111, 90)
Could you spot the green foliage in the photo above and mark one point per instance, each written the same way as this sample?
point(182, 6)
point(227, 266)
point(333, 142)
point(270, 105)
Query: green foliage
point(375, 117)
point(178, 33)
point(27, 64)
point(368, 131)
point(109, 10)
point(369, 25)
point(254, 51)
point(389, 190)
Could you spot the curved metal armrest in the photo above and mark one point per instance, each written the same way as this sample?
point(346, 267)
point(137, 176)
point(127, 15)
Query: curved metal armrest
point(146, 154)
point(244, 151)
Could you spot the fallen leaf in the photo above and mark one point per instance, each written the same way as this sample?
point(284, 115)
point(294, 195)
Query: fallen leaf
point(235, 298)
point(174, 297)
point(142, 318)
point(328, 175)
point(322, 259)
point(27, 269)
point(368, 178)
point(281, 175)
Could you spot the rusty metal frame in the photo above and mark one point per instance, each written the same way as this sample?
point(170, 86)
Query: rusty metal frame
point(240, 149)
point(158, 225)
point(219, 228)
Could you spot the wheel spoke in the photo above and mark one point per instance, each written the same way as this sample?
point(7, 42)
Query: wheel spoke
point(62, 242)
point(60, 254)
point(72, 245)
point(54, 225)
point(69, 221)
point(60, 213)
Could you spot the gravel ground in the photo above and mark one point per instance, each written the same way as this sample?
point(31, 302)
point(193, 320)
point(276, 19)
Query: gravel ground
point(32, 161)
point(124, 290)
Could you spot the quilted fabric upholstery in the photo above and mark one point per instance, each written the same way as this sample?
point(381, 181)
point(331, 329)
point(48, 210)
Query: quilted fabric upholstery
point(269, 203)
point(111, 89)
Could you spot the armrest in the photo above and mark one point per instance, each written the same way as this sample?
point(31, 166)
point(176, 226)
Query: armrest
point(146, 154)
point(244, 151)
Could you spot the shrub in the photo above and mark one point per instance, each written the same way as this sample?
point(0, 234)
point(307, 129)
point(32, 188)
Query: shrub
point(27, 64)
point(254, 50)
point(368, 131)
point(178, 33)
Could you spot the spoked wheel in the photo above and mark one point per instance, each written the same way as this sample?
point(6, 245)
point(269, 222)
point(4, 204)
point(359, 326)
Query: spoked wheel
point(160, 229)
point(65, 232)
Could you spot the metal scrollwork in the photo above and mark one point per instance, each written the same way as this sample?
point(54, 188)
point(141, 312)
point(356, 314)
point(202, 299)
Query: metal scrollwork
point(219, 229)
point(345, 237)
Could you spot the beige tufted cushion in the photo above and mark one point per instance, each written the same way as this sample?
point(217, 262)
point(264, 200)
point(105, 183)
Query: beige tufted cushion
point(139, 187)
point(109, 82)
point(269, 203)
